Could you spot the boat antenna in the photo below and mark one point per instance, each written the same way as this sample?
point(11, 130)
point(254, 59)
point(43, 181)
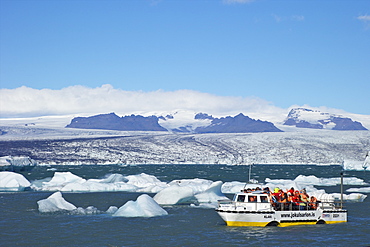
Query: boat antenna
point(365, 161)
point(250, 171)
point(341, 190)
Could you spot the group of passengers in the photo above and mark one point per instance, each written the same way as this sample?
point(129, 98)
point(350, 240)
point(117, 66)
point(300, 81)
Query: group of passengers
point(290, 200)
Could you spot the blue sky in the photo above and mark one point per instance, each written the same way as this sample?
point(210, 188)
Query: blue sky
point(297, 52)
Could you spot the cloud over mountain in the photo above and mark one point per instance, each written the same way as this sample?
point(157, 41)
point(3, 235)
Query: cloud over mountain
point(27, 102)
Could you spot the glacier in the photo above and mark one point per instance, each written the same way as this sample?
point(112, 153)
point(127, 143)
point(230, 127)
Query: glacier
point(58, 146)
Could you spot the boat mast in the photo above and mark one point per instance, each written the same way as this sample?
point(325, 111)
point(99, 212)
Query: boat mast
point(341, 190)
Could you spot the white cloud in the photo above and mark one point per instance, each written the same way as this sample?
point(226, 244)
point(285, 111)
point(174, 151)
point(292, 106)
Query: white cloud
point(297, 18)
point(279, 18)
point(237, 1)
point(364, 18)
point(28, 102)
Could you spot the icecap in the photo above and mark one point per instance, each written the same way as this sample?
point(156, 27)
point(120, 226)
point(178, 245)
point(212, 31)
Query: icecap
point(55, 203)
point(11, 181)
point(175, 194)
point(144, 206)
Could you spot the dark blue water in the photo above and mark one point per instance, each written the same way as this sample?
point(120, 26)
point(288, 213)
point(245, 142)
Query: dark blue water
point(22, 225)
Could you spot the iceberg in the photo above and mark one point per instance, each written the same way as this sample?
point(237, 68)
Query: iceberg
point(146, 183)
point(11, 181)
point(313, 180)
point(198, 185)
point(356, 165)
point(353, 197)
point(144, 206)
point(212, 194)
point(59, 180)
point(175, 194)
point(363, 190)
point(55, 203)
point(16, 163)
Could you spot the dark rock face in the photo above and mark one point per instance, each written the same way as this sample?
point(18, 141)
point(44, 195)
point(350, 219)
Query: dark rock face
point(346, 124)
point(319, 120)
point(113, 122)
point(237, 124)
point(203, 116)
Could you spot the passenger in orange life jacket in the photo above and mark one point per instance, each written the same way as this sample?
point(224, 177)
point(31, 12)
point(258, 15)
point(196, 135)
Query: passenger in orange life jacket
point(313, 203)
point(283, 201)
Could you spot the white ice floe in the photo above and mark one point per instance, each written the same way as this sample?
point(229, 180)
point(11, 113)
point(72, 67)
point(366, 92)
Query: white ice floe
point(144, 206)
point(20, 161)
point(353, 197)
point(59, 180)
point(146, 183)
point(198, 185)
point(356, 165)
point(313, 180)
point(175, 194)
point(55, 203)
point(68, 182)
point(11, 181)
point(363, 190)
point(211, 194)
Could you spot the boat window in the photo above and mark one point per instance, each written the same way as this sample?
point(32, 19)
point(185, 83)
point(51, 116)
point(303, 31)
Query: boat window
point(241, 198)
point(264, 199)
point(252, 198)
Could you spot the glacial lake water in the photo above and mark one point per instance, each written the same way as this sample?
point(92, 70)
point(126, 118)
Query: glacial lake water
point(21, 224)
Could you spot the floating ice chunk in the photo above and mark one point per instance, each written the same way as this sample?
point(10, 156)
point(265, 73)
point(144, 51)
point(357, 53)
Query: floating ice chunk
point(146, 183)
point(112, 210)
point(283, 184)
point(17, 161)
point(91, 186)
point(205, 205)
point(144, 206)
point(111, 178)
point(313, 180)
point(355, 165)
point(61, 179)
point(235, 187)
point(198, 185)
point(55, 203)
point(175, 194)
point(91, 210)
point(11, 181)
point(212, 194)
point(353, 197)
point(363, 190)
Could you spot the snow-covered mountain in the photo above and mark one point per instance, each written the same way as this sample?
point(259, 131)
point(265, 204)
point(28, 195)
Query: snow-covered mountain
point(209, 124)
point(113, 122)
point(46, 140)
point(315, 119)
